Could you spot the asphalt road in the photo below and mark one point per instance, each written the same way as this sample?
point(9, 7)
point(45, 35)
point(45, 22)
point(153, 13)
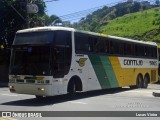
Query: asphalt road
point(124, 99)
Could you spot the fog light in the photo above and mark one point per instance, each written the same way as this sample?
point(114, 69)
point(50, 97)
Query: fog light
point(41, 89)
point(11, 87)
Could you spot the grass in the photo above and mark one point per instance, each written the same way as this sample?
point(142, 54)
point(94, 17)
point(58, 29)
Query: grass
point(136, 25)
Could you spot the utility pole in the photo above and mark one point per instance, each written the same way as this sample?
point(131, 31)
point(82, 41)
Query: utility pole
point(30, 9)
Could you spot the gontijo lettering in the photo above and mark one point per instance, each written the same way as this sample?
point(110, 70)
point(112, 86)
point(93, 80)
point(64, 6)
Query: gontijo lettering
point(133, 62)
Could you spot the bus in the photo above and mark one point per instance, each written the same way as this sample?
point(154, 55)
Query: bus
point(49, 61)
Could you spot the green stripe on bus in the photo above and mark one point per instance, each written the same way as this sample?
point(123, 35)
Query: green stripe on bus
point(109, 71)
point(100, 71)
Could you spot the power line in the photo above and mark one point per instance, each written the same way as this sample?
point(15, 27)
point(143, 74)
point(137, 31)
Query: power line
point(51, 0)
point(83, 13)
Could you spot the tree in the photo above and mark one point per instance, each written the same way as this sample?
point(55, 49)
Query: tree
point(156, 21)
point(13, 18)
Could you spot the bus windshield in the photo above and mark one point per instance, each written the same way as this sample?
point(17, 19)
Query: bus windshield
point(30, 60)
point(36, 38)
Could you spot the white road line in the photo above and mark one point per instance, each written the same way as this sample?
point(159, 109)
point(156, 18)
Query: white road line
point(78, 102)
point(9, 94)
point(6, 118)
point(139, 91)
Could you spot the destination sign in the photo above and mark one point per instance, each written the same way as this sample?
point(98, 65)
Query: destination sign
point(137, 63)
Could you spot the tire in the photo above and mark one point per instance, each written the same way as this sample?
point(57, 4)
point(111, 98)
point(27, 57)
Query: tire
point(139, 83)
point(39, 97)
point(133, 87)
point(146, 81)
point(72, 87)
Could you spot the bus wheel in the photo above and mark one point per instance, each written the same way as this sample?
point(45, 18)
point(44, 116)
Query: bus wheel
point(39, 97)
point(133, 87)
point(139, 83)
point(146, 81)
point(71, 87)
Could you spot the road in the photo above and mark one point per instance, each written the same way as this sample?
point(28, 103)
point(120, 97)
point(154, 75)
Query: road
point(124, 99)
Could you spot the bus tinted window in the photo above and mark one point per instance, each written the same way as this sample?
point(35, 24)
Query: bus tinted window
point(154, 52)
point(98, 45)
point(148, 51)
point(139, 49)
point(62, 53)
point(34, 38)
point(114, 47)
point(107, 46)
point(121, 48)
point(127, 49)
point(82, 42)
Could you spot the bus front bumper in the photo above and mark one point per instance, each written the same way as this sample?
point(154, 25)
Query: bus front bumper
point(31, 89)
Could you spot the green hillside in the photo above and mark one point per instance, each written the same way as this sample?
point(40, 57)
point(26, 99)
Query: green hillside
point(143, 25)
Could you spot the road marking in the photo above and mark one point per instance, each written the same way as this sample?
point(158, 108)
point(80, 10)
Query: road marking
point(9, 95)
point(78, 102)
point(139, 91)
point(6, 118)
point(136, 91)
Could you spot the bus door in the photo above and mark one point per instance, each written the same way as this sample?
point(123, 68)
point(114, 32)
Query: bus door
point(61, 54)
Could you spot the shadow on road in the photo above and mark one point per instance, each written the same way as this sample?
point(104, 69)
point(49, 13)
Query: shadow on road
point(63, 98)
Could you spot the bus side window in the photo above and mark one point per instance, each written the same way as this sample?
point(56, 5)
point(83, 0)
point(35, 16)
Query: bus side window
point(62, 53)
point(99, 45)
point(121, 48)
point(106, 46)
point(114, 47)
point(82, 42)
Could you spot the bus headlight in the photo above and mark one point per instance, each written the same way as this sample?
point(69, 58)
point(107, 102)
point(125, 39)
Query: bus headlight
point(40, 89)
point(11, 87)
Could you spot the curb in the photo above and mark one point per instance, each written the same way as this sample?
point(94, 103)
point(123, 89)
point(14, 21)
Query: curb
point(156, 94)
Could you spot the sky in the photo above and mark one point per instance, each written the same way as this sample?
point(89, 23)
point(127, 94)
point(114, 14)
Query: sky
point(64, 7)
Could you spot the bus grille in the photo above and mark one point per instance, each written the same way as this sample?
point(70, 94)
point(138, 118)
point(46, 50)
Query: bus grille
point(20, 81)
point(30, 81)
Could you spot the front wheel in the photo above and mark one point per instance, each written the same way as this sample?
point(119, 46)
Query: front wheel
point(72, 87)
point(39, 97)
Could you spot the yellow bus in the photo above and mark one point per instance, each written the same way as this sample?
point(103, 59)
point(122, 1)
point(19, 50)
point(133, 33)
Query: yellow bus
point(48, 61)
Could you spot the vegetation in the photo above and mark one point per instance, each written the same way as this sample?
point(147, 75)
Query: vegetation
point(13, 17)
point(144, 25)
point(102, 16)
point(131, 19)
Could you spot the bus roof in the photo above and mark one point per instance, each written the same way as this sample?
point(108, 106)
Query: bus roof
point(53, 28)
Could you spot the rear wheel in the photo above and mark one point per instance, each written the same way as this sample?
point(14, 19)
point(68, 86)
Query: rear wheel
point(139, 83)
point(133, 87)
point(146, 81)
